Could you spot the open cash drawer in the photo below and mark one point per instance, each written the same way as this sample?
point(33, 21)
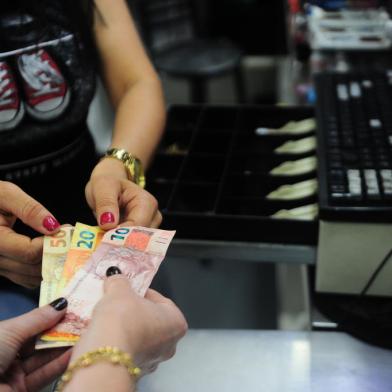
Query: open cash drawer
point(211, 174)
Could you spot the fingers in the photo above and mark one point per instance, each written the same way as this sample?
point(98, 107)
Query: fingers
point(46, 374)
point(38, 320)
point(41, 358)
point(14, 266)
point(117, 285)
point(106, 193)
point(7, 219)
point(157, 220)
point(179, 324)
point(150, 369)
point(27, 281)
point(21, 258)
point(19, 247)
point(156, 297)
point(13, 200)
point(141, 208)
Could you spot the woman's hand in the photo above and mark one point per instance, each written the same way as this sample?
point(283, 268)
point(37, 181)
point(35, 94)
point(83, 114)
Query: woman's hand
point(116, 200)
point(147, 328)
point(21, 368)
point(20, 256)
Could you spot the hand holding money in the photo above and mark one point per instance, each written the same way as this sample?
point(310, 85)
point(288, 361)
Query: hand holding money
point(147, 328)
point(115, 199)
point(22, 369)
point(20, 256)
point(136, 251)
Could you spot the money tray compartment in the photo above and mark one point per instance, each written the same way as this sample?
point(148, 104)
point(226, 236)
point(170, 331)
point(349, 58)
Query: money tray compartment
point(211, 174)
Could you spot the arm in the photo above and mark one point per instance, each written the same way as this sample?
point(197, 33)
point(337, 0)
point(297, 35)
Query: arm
point(133, 85)
point(136, 93)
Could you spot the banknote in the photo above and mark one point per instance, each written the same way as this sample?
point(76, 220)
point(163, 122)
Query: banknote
point(84, 241)
point(291, 128)
point(54, 254)
point(299, 190)
point(295, 168)
point(42, 344)
point(136, 251)
point(307, 212)
point(301, 146)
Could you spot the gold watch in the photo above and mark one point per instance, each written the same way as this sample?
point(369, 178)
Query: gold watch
point(132, 165)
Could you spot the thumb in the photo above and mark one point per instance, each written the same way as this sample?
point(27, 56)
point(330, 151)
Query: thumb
point(38, 320)
point(117, 284)
point(106, 202)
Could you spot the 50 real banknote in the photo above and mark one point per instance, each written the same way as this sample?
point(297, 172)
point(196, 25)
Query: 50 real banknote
point(54, 254)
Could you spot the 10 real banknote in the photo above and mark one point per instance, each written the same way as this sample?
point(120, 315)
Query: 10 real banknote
point(74, 265)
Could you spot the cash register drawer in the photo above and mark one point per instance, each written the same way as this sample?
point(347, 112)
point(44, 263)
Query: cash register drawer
point(211, 174)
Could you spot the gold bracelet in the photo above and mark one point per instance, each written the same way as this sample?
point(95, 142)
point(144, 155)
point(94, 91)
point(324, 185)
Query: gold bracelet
point(107, 353)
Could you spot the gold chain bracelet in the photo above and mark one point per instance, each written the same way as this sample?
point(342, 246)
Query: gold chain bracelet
point(110, 354)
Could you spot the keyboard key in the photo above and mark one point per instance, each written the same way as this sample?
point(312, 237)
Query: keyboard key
point(384, 164)
point(338, 188)
point(355, 90)
point(349, 142)
point(342, 92)
point(375, 123)
point(366, 164)
point(367, 83)
point(333, 142)
point(350, 157)
point(386, 174)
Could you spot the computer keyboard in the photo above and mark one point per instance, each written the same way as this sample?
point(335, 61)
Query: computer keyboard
point(354, 125)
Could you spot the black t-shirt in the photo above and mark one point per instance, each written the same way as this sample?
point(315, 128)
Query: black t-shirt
point(55, 34)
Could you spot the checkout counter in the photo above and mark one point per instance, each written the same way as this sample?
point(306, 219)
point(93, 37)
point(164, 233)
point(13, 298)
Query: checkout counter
point(273, 361)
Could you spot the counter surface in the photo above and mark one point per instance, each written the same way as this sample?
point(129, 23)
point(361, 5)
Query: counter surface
point(281, 361)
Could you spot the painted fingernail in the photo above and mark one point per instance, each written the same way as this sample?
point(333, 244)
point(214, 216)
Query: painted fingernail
point(113, 271)
point(106, 217)
point(50, 223)
point(59, 304)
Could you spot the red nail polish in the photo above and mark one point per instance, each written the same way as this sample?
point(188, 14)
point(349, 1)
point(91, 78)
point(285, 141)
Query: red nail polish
point(107, 217)
point(50, 223)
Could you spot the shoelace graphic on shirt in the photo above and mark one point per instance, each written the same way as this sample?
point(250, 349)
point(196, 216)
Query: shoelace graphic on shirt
point(5, 89)
point(39, 74)
point(53, 42)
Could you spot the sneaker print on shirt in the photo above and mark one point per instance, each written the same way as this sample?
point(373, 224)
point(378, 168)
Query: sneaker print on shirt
point(11, 107)
point(46, 92)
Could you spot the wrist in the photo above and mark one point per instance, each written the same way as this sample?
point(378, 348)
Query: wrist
point(97, 336)
point(110, 167)
point(101, 377)
point(132, 164)
point(104, 368)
